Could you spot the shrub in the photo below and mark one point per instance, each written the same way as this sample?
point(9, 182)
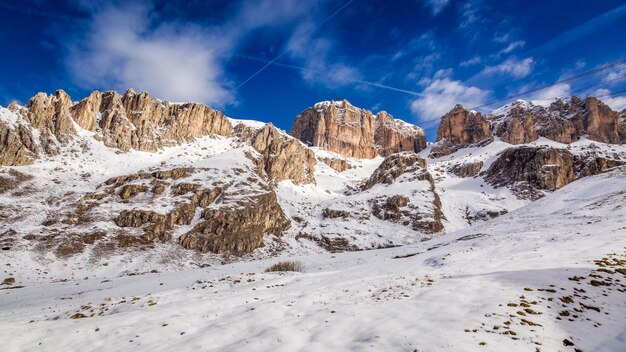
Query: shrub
point(285, 266)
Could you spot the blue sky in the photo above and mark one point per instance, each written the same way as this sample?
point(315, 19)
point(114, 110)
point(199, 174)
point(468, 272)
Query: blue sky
point(270, 59)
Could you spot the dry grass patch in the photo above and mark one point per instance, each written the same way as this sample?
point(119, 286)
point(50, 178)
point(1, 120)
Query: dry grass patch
point(285, 266)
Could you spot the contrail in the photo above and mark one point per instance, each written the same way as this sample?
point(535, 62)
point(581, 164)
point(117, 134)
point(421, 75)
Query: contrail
point(317, 72)
point(289, 46)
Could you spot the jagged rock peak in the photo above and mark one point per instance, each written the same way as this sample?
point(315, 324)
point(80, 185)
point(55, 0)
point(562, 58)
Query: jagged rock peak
point(340, 127)
point(460, 128)
point(134, 120)
point(561, 120)
point(520, 122)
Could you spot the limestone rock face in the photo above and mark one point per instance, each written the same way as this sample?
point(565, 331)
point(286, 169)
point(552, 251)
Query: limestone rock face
point(340, 127)
point(588, 165)
point(405, 167)
point(339, 165)
point(238, 230)
point(530, 170)
point(392, 136)
point(468, 169)
point(17, 145)
point(133, 120)
point(601, 123)
point(460, 128)
point(393, 166)
point(564, 120)
point(284, 157)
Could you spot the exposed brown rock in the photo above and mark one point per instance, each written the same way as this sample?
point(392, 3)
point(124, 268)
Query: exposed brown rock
point(342, 128)
point(129, 191)
point(284, 157)
point(238, 230)
point(593, 165)
point(133, 120)
point(467, 169)
point(458, 129)
point(563, 121)
point(528, 169)
point(338, 165)
point(393, 166)
point(334, 214)
point(397, 208)
point(137, 218)
point(339, 127)
point(392, 136)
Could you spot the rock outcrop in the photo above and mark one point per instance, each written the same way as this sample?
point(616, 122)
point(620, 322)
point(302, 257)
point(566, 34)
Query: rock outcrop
point(284, 157)
point(406, 167)
point(393, 166)
point(467, 169)
point(339, 165)
point(520, 122)
point(564, 121)
point(136, 121)
point(460, 128)
point(392, 135)
point(340, 127)
point(239, 229)
point(528, 171)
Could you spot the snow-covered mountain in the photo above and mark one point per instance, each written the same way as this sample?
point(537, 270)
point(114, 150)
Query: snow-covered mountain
point(137, 209)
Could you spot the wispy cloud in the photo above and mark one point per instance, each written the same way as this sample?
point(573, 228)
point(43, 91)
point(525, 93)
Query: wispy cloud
point(442, 94)
point(471, 62)
point(512, 46)
point(560, 90)
point(436, 5)
point(512, 67)
point(132, 45)
point(317, 56)
point(617, 103)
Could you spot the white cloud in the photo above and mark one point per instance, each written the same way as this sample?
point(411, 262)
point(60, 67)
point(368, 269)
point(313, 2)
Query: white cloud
point(616, 103)
point(321, 66)
point(436, 5)
point(502, 37)
point(471, 62)
point(560, 90)
point(470, 14)
point(615, 74)
point(511, 47)
point(580, 64)
point(120, 51)
point(132, 45)
point(442, 94)
point(512, 67)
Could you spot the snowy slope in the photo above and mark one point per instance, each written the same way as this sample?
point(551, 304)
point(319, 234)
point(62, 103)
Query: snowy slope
point(479, 289)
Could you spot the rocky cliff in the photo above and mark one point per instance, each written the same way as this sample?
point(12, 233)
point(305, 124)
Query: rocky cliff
point(528, 169)
point(520, 122)
point(343, 128)
point(458, 129)
point(564, 120)
point(136, 121)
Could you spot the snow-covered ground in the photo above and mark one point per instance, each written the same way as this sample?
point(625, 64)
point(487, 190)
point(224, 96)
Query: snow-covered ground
point(525, 281)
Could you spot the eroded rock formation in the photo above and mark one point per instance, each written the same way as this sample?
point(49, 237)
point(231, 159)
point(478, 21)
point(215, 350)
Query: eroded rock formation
point(136, 121)
point(460, 128)
point(395, 165)
point(564, 120)
point(340, 127)
point(392, 135)
point(466, 169)
point(284, 157)
point(530, 170)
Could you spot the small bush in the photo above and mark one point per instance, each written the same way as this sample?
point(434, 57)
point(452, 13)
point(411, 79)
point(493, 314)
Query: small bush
point(285, 266)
